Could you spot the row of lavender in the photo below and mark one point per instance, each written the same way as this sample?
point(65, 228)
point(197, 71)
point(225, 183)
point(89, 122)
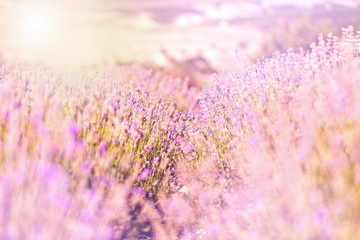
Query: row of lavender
point(269, 152)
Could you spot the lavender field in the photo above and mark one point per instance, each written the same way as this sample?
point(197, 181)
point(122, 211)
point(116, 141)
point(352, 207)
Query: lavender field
point(271, 151)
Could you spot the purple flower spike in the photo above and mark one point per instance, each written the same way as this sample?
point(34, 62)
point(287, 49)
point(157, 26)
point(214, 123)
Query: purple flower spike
point(144, 175)
point(138, 191)
point(115, 106)
point(102, 149)
point(74, 130)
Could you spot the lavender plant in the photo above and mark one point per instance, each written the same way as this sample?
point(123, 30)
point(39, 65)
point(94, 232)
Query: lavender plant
point(268, 152)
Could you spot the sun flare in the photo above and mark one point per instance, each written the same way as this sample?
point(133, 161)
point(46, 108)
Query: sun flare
point(39, 25)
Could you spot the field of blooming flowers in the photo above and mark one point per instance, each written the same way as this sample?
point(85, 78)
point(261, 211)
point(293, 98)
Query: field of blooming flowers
point(269, 152)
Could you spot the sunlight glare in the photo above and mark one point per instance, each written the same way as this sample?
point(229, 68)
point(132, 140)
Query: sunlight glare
point(39, 25)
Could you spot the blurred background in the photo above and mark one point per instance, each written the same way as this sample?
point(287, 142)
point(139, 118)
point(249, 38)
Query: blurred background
point(182, 36)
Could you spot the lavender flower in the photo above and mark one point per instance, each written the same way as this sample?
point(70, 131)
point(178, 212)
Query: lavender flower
point(144, 174)
point(102, 149)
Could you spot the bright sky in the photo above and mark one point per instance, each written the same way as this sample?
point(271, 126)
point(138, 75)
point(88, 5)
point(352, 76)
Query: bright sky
point(94, 32)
